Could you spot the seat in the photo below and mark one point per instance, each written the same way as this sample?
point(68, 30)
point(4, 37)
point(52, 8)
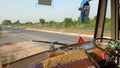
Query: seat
point(75, 59)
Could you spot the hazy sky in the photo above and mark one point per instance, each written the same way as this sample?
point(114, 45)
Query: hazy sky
point(29, 10)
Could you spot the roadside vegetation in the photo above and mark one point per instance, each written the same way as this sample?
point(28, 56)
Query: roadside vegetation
point(0, 28)
point(67, 24)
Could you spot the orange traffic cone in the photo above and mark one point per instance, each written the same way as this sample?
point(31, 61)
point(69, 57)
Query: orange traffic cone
point(81, 40)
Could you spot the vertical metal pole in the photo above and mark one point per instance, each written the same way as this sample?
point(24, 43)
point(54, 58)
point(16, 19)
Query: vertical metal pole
point(117, 17)
point(0, 62)
point(99, 29)
point(113, 19)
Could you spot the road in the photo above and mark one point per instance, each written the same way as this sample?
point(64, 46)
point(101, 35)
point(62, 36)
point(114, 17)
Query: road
point(15, 35)
point(20, 40)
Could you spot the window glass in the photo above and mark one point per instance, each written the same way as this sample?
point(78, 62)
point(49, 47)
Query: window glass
point(107, 29)
point(63, 16)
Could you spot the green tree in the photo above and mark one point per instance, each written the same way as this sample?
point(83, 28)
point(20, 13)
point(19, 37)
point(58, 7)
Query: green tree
point(0, 29)
point(95, 17)
point(29, 23)
point(42, 21)
point(78, 20)
point(17, 22)
point(52, 22)
point(6, 22)
point(67, 22)
point(107, 20)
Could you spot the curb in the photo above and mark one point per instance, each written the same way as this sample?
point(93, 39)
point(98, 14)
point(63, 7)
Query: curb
point(73, 34)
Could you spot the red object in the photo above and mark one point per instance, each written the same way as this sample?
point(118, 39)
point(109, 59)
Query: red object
point(103, 55)
point(81, 40)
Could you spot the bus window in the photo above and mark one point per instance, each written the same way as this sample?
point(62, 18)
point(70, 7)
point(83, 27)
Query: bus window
point(107, 26)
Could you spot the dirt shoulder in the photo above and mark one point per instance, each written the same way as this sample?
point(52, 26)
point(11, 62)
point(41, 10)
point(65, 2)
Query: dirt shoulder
point(12, 52)
point(66, 32)
point(74, 32)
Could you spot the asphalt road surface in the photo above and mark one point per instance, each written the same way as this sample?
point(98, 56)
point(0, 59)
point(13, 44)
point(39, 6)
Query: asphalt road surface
point(15, 35)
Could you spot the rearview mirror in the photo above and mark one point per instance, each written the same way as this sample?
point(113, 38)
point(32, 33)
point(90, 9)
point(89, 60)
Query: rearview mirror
point(45, 2)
